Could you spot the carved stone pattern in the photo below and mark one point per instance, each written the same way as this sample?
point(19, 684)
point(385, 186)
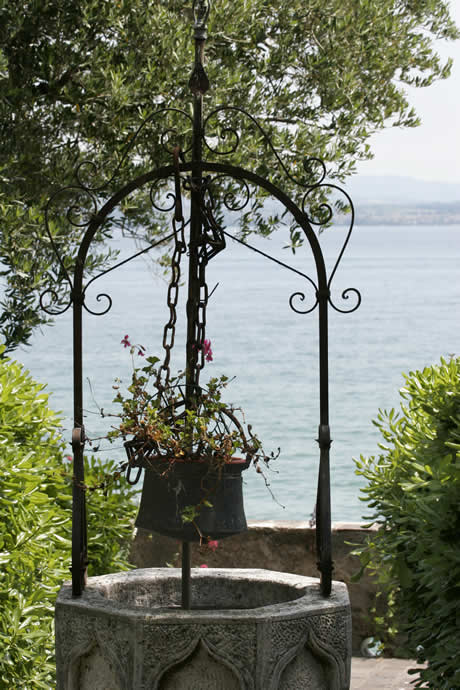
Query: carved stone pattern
point(163, 645)
point(200, 670)
point(304, 672)
point(334, 629)
point(287, 634)
point(96, 672)
point(329, 629)
point(113, 637)
point(235, 644)
point(74, 632)
point(118, 637)
point(144, 650)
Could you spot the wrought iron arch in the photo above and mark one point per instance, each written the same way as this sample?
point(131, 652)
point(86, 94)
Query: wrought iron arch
point(196, 177)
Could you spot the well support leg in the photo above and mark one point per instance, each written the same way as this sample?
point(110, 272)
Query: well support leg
point(186, 578)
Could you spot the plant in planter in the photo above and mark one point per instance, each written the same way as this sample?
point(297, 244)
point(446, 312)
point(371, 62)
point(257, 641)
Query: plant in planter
point(193, 451)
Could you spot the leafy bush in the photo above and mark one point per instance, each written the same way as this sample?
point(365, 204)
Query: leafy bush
point(414, 490)
point(35, 528)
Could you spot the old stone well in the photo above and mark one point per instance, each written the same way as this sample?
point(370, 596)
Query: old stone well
point(248, 629)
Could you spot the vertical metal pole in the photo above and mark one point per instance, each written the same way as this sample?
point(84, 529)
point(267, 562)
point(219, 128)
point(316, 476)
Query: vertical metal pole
point(79, 534)
point(192, 370)
point(186, 576)
point(323, 500)
point(198, 84)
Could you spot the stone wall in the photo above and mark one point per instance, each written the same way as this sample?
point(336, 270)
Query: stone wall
point(286, 546)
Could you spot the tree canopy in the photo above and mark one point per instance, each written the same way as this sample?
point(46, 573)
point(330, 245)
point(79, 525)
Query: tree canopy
point(77, 79)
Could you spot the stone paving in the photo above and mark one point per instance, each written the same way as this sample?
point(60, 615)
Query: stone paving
point(381, 674)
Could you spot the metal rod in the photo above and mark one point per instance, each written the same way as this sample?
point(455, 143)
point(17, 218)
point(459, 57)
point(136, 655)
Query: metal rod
point(267, 256)
point(323, 499)
point(192, 371)
point(130, 258)
point(186, 576)
point(79, 535)
point(198, 85)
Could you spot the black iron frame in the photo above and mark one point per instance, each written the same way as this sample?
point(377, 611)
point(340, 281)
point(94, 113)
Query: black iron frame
point(196, 176)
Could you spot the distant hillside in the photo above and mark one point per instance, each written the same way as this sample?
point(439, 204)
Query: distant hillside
point(386, 200)
point(386, 189)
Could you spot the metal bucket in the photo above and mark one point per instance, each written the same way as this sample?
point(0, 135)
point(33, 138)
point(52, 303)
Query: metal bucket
point(169, 488)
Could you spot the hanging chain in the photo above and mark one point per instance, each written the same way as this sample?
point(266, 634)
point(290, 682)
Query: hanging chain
point(199, 304)
point(211, 242)
point(173, 289)
point(200, 321)
point(211, 236)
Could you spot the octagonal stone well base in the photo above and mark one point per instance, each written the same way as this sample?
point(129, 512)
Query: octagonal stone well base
point(248, 629)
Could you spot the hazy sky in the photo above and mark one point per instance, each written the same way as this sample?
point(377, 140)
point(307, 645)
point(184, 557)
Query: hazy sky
point(431, 151)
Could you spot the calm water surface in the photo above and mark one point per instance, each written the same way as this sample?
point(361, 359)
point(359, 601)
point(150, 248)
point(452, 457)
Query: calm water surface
point(408, 278)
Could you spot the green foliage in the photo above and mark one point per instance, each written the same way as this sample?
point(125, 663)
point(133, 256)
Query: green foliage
point(414, 492)
point(35, 528)
point(78, 78)
point(155, 415)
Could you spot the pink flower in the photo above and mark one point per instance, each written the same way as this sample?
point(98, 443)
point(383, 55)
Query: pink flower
point(141, 350)
point(125, 342)
point(69, 458)
point(204, 566)
point(205, 345)
point(212, 544)
point(207, 350)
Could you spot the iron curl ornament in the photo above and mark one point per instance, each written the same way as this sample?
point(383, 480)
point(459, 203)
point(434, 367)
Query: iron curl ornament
point(90, 179)
point(54, 298)
point(301, 297)
point(209, 186)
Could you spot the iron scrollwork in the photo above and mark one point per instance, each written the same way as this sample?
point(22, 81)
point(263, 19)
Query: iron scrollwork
point(316, 173)
point(81, 214)
point(235, 202)
point(54, 299)
point(301, 296)
point(165, 136)
point(232, 200)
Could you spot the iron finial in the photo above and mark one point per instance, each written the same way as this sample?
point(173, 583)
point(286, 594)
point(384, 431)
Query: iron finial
point(199, 82)
point(200, 13)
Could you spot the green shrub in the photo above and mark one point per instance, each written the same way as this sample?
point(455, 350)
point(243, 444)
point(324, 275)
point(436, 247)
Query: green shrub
point(414, 492)
point(35, 528)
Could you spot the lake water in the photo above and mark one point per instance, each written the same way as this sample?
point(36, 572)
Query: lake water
point(408, 278)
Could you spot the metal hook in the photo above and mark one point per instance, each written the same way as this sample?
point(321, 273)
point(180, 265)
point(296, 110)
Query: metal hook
point(178, 203)
point(128, 475)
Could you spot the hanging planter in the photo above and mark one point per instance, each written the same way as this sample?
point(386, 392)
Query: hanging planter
point(192, 453)
point(189, 500)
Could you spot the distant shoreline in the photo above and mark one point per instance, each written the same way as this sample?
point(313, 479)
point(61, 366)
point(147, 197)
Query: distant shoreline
point(404, 214)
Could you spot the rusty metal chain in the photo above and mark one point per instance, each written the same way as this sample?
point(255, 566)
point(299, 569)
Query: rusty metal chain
point(216, 241)
point(200, 305)
point(180, 247)
point(211, 243)
point(200, 321)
